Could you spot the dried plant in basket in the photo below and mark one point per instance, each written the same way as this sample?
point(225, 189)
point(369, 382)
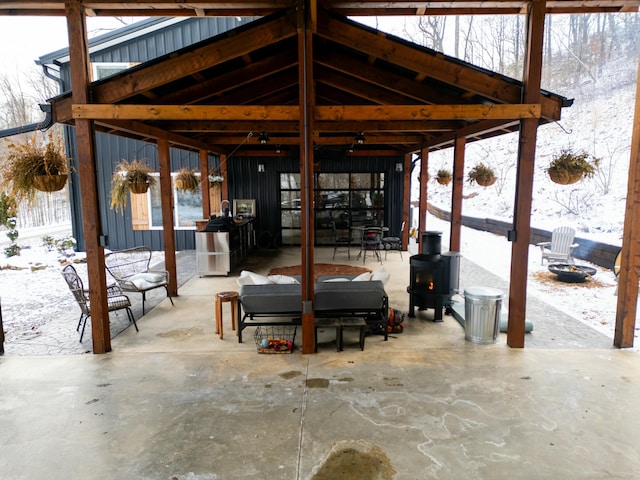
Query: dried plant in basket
point(482, 174)
point(34, 165)
point(187, 180)
point(134, 176)
point(570, 167)
point(444, 176)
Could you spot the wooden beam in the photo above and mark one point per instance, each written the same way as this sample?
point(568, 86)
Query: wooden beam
point(204, 182)
point(85, 141)
point(423, 196)
point(185, 112)
point(306, 14)
point(456, 195)
point(406, 199)
point(524, 179)
point(438, 67)
point(627, 302)
point(167, 207)
point(427, 112)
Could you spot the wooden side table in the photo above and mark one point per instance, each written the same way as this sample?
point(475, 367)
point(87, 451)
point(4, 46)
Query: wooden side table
point(328, 323)
point(353, 322)
point(222, 297)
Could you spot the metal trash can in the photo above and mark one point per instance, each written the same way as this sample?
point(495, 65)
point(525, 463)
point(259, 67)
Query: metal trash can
point(482, 314)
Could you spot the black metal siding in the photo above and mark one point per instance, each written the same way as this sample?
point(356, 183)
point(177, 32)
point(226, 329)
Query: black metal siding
point(246, 182)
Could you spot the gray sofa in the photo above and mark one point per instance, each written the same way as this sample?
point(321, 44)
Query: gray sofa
point(263, 304)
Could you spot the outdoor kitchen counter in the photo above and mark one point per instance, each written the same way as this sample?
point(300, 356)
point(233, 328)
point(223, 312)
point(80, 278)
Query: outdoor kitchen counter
point(218, 252)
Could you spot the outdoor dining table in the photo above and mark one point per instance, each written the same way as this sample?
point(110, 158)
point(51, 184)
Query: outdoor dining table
point(361, 229)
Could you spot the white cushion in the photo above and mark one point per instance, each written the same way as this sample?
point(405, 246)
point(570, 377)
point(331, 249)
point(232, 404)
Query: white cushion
point(144, 281)
point(329, 280)
point(283, 279)
point(363, 277)
point(244, 279)
point(250, 278)
point(382, 275)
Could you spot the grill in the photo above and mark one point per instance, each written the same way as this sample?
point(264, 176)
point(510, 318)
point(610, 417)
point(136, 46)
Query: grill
point(434, 277)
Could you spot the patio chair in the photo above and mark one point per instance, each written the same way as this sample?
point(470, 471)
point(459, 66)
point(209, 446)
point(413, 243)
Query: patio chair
point(393, 244)
point(560, 247)
point(340, 241)
point(130, 268)
point(371, 242)
point(116, 299)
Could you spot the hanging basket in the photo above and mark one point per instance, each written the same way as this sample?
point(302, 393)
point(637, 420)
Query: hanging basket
point(485, 181)
point(443, 180)
point(139, 187)
point(49, 183)
point(563, 177)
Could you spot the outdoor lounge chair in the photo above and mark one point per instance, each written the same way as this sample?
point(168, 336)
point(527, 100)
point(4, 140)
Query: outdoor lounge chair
point(130, 268)
point(116, 299)
point(561, 246)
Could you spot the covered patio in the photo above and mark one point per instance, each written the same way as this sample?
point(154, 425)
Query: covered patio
point(178, 402)
point(472, 105)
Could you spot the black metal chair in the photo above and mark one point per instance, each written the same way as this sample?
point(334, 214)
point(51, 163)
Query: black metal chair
point(116, 300)
point(371, 242)
point(393, 244)
point(340, 241)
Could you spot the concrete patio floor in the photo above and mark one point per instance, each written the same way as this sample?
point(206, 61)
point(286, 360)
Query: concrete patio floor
point(173, 401)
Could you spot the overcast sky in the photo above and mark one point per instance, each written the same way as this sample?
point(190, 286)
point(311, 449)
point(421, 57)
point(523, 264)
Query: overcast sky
point(25, 39)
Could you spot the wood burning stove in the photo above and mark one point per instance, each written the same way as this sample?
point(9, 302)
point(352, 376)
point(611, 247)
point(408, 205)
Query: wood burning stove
point(434, 277)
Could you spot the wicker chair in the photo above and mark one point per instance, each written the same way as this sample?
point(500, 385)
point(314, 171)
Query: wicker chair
point(116, 299)
point(130, 268)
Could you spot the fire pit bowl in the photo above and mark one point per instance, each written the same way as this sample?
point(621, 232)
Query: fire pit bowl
point(571, 273)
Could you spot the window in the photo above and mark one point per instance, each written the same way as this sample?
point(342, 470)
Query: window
point(348, 199)
point(188, 206)
point(104, 69)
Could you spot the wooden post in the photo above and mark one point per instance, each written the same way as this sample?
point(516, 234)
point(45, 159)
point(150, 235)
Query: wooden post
point(204, 183)
point(306, 24)
point(166, 194)
point(456, 195)
point(422, 197)
point(406, 200)
point(629, 262)
point(524, 178)
point(85, 144)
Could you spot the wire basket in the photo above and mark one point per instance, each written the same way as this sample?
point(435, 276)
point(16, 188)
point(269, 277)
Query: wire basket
point(275, 339)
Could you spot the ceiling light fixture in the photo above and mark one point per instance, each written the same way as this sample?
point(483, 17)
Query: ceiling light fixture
point(263, 138)
point(359, 138)
point(278, 149)
point(350, 148)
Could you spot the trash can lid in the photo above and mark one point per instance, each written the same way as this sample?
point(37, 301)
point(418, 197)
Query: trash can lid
point(484, 293)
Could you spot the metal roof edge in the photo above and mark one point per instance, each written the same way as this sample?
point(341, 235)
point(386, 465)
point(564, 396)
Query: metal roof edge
point(113, 37)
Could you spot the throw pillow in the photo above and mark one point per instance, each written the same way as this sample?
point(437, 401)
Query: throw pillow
point(258, 279)
point(363, 277)
point(283, 279)
point(244, 279)
point(382, 275)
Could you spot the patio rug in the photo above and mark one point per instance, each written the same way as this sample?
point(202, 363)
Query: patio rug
point(320, 269)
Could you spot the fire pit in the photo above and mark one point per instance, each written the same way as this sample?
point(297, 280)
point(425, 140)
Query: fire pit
point(571, 273)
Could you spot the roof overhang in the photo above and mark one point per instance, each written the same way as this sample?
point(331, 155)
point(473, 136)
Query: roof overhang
point(404, 97)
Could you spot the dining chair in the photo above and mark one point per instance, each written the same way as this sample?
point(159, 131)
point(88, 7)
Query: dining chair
point(340, 241)
point(371, 242)
point(393, 244)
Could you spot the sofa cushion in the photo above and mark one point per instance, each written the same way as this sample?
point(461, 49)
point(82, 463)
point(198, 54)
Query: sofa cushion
point(351, 296)
point(283, 279)
point(381, 274)
point(250, 278)
point(271, 298)
point(363, 277)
